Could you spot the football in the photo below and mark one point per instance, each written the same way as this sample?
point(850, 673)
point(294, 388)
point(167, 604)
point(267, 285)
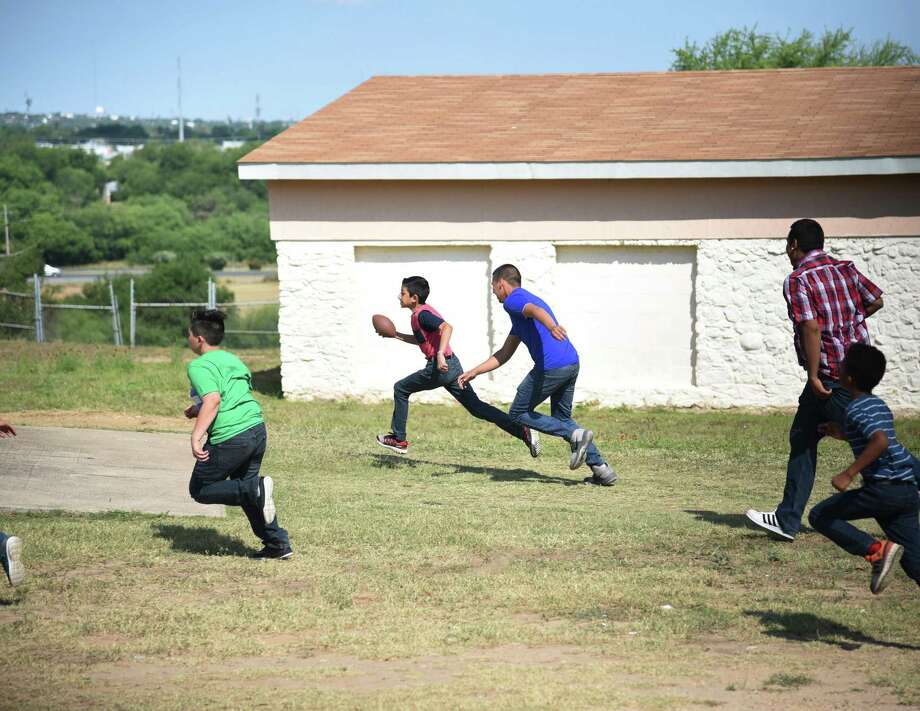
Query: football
point(383, 325)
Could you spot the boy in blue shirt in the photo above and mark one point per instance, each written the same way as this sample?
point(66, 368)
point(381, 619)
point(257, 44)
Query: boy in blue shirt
point(553, 376)
point(890, 475)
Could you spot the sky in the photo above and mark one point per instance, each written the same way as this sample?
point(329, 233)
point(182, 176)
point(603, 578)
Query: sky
point(298, 55)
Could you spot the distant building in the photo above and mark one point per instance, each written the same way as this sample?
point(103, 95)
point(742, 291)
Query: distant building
point(650, 210)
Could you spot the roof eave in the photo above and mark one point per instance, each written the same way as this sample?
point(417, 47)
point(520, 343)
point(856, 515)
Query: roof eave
point(595, 170)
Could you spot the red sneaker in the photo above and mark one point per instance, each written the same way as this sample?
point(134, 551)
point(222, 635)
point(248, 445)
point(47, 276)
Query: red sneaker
point(390, 442)
point(883, 560)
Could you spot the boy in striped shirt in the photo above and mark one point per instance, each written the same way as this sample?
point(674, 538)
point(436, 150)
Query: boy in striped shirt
point(890, 477)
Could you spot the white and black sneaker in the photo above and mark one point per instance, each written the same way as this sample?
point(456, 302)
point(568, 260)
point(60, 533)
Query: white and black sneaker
point(268, 501)
point(602, 475)
point(580, 440)
point(767, 520)
point(532, 440)
point(12, 560)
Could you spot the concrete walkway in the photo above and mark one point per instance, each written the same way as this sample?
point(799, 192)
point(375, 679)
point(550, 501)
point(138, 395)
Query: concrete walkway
point(48, 468)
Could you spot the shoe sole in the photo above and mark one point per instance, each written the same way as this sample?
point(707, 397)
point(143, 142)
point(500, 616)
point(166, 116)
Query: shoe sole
point(392, 448)
point(535, 445)
point(16, 571)
point(268, 508)
point(761, 527)
point(581, 451)
point(887, 565)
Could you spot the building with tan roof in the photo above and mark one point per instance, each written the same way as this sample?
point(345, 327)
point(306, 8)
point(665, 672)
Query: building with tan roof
point(650, 210)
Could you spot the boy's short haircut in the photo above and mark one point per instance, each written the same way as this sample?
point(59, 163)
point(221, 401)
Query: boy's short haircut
point(209, 324)
point(417, 286)
point(807, 234)
point(865, 365)
point(509, 273)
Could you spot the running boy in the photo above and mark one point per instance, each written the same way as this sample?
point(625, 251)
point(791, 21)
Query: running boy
point(553, 376)
point(227, 464)
point(889, 471)
point(431, 333)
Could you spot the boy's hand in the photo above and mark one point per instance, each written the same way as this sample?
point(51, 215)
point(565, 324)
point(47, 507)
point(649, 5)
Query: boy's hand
point(191, 411)
point(558, 332)
point(198, 450)
point(831, 429)
point(6, 429)
point(465, 378)
point(442, 363)
point(842, 481)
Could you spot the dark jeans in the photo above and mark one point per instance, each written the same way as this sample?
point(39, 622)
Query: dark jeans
point(803, 450)
point(430, 378)
point(896, 507)
point(231, 477)
point(558, 385)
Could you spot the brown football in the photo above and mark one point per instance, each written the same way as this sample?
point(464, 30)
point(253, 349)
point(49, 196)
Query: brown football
point(383, 325)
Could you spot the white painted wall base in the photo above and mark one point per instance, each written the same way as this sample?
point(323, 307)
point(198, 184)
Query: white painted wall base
point(656, 322)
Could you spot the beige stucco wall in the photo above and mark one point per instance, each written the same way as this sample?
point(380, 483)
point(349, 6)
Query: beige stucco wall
point(591, 210)
point(671, 290)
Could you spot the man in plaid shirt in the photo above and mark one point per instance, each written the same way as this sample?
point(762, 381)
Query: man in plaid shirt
point(829, 302)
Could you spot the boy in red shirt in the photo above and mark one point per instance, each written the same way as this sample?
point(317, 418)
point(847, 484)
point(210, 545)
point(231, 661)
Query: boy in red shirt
point(431, 333)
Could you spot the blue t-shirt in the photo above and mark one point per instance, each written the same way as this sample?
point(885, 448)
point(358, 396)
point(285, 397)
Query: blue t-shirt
point(866, 416)
point(546, 351)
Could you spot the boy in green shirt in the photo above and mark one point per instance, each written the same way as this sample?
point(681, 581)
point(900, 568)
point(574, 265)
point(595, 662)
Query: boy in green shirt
point(228, 441)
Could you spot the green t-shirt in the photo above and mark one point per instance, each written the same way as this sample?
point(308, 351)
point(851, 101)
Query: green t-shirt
point(219, 371)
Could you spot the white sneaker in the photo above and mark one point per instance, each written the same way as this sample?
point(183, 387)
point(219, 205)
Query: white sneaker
point(767, 521)
point(581, 438)
point(532, 440)
point(12, 561)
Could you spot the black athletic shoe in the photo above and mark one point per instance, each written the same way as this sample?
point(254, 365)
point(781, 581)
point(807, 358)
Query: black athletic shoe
point(882, 564)
point(274, 553)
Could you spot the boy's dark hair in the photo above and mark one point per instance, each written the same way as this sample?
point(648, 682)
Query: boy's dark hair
point(209, 324)
point(807, 234)
point(865, 364)
point(417, 286)
point(509, 273)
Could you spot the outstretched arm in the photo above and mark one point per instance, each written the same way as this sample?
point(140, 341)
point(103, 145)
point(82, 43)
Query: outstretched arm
point(496, 360)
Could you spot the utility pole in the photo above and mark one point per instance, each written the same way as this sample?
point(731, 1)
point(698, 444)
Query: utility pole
point(179, 87)
point(6, 229)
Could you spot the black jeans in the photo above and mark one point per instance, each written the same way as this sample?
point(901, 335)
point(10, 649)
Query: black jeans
point(803, 450)
point(430, 378)
point(896, 507)
point(231, 477)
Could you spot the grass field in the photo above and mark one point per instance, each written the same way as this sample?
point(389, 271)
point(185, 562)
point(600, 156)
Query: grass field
point(467, 575)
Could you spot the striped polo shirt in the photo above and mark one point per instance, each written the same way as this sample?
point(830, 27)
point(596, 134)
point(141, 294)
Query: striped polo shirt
point(864, 417)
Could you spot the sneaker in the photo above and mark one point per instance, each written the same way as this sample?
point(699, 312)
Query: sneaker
point(268, 501)
point(767, 520)
point(532, 440)
point(580, 440)
point(274, 553)
point(603, 475)
point(399, 446)
point(882, 563)
point(12, 561)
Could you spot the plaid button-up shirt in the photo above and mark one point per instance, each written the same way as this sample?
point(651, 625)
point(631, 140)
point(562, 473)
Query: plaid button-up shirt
point(835, 294)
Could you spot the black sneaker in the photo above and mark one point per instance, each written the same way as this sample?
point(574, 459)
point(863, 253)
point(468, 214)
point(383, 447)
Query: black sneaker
point(602, 475)
point(274, 553)
point(399, 446)
point(532, 440)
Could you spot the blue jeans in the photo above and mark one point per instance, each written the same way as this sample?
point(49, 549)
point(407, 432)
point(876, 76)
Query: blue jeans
point(803, 450)
point(558, 385)
point(430, 378)
point(895, 505)
point(231, 477)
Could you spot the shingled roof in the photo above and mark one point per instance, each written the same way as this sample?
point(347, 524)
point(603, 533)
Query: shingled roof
point(671, 116)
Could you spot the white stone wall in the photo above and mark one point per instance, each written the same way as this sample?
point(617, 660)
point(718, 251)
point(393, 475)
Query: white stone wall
point(742, 352)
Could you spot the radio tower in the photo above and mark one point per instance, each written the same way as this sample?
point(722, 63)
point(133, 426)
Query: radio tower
point(179, 88)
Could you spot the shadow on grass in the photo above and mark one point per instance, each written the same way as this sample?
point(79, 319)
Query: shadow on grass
point(268, 382)
point(720, 519)
point(806, 627)
point(201, 540)
point(396, 461)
